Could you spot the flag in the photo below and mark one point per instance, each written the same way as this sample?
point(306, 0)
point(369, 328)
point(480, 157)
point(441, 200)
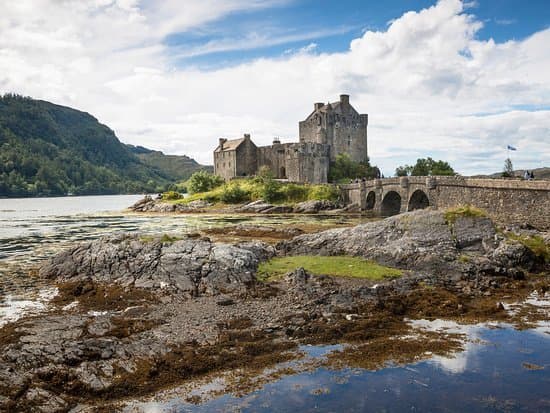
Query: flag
point(511, 148)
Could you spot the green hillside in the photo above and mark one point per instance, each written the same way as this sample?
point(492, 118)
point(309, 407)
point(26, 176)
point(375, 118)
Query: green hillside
point(180, 167)
point(46, 149)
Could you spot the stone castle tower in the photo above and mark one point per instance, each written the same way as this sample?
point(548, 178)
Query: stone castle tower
point(331, 129)
point(338, 125)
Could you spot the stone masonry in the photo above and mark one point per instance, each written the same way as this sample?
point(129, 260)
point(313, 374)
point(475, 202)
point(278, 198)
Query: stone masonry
point(331, 129)
point(505, 200)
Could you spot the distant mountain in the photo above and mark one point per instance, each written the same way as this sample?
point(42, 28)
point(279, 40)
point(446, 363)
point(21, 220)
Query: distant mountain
point(540, 173)
point(47, 149)
point(180, 167)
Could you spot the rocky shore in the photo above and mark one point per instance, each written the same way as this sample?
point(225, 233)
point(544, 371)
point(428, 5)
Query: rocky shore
point(151, 205)
point(135, 315)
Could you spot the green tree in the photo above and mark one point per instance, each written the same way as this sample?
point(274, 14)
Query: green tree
point(425, 167)
point(508, 168)
point(202, 181)
point(344, 168)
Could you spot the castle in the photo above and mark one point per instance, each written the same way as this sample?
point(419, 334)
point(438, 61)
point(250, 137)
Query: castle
point(331, 129)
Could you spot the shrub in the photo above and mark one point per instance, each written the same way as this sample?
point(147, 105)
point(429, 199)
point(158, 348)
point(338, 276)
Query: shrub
point(202, 181)
point(171, 195)
point(321, 192)
point(294, 192)
point(271, 191)
point(234, 194)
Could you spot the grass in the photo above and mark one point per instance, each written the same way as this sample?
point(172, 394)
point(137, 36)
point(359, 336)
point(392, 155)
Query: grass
point(250, 189)
point(535, 243)
point(339, 266)
point(452, 214)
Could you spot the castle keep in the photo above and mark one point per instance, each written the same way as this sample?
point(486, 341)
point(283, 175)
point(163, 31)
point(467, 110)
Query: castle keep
point(331, 129)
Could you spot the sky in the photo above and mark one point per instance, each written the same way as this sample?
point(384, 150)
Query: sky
point(453, 80)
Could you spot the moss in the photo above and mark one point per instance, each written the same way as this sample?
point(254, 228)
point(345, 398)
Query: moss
point(535, 243)
point(340, 266)
point(463, 211)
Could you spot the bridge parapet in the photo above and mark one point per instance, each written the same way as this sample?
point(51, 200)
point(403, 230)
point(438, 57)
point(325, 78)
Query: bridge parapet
point(508, 200)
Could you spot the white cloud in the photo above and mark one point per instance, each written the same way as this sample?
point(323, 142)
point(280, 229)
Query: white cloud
point(430, 87)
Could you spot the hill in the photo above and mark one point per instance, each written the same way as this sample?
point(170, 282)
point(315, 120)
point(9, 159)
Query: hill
point(540, 173)
point(180, 167)
point(47, 149)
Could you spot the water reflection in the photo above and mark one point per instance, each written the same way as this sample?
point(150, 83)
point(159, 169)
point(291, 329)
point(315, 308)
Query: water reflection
point(493, 375)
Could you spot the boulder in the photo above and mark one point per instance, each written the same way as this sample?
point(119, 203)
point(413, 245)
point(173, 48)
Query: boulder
point(192, 266)
point(313, 207)
point(420, 241)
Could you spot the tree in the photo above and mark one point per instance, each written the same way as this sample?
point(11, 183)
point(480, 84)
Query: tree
point(343, 168)
point(508, 168)
point(425, 167)
point(202, 181)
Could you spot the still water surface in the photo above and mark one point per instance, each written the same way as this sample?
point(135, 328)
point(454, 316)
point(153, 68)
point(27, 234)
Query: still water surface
point(488, 376)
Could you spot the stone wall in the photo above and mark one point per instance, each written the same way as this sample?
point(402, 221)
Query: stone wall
point(224, 164)
point(246, 164)
point(506, 200)
point(338, 125)
point(306, 162)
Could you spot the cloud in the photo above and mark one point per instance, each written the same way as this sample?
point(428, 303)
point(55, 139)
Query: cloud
point(431, 88)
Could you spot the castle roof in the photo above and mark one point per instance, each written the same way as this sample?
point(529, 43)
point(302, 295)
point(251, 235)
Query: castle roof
point(230, 145)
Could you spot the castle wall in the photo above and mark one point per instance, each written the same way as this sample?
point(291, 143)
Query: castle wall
point(225, 163)
point(274, 158)
point(349, 135)
point(246, 156)
point(307, 162)
point(338, 125)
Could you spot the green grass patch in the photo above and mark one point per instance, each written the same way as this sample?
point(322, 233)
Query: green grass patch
point(251, 189)
point(463, 211)
point(535, 243)
point(340, 266)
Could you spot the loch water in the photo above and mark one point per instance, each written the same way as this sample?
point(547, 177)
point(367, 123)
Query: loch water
point(501, 369)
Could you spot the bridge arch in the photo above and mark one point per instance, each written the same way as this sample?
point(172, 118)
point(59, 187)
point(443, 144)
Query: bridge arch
point(371, 200)
point(391, 204)
point(418, 200)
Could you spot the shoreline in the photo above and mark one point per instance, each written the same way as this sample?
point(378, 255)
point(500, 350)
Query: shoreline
point(126, 325)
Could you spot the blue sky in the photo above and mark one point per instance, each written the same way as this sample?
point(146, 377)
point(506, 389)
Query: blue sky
point(331, 25)
point(454, 80)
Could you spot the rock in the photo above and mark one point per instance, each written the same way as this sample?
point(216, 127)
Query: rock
point(191, 266)
point(313, 207)
point(297, 277)
point(255, 207)
point(224, 301)
point(278, 209)
point(420, 241)
point(352, 208)
point(148, 204)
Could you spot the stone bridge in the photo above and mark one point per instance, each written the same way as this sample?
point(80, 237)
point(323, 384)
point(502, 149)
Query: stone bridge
point(506, 200)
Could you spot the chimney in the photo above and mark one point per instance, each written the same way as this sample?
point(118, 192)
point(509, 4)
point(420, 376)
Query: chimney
point(344, 99)
point(247, 136)
point(276, 141)
point(222, 141)
point(318, 105)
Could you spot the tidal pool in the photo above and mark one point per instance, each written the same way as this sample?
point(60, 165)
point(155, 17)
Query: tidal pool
point(500, 370)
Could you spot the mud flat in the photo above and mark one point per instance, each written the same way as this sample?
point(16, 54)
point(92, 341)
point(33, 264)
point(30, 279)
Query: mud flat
point(137, 316)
